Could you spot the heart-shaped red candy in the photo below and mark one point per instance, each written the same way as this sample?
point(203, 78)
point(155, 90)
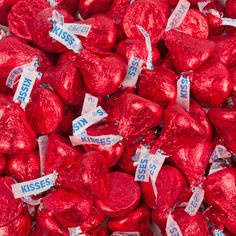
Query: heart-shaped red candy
point(102, 35)
point(151, 15)
point(48, 225)
point(187, 52)
point(102, 76)
point(195, 24)
point(10, 207)
point(124, 195)
point(170, 185)
point(21, 226)
point(60, 154)
point(89, 176)
point(135, 115)
point(221, 219)
point(67, 207)
point(191, 225)
point(21, 52)
point(19, 21)
point(40, 27)
point(66, 79)
point(136, 221)
point(193, 160)
point(183, 128)
point(214, 20)
point(158, 85)
point(211, 84)
point(220, 192)
point(24, 167)
point(45, 111)
point(16, 135)
point(224, 120)
point(225, 50)
point(112, 154)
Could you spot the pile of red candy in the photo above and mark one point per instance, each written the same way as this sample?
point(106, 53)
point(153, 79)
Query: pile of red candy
point(117, 117)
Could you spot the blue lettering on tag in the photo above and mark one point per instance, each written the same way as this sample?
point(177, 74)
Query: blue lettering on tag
point(142, 169)
point(79, 124)
point(23, 189)
point(152, 167)
point(173, 231)
point(35, 186)
point(134, 67)
point(24, 89)
point(108, 141)
point(182, 9)
point(83, 139)
point(100, 112)
point(178, 15)
point(32, 188)
point(102, 141)
point(57, 30)
point(184, 87)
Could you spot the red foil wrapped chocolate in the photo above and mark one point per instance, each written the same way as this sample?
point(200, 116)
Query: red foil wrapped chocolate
point(130, 108)
point(112, 154)
point(137, 48)
point(88, 8)
point(220, 193)
point(224, 122)
point(19, 21)
point(211, 84)
point(187, 52)
point(151, 15)
point(136, 221)
point(195, 24)
point(24, 167)
point(120, 201)
point(193, 160)
point(11, 208)
point(16, 135)
point(40, 27)
point(102, 76)
point(158, 85)
point(102, 35)
point(95, 191)
point(170, 186)
point(67, 207)
point(45, 111)
point(89, 176)
point(60, 154)
point(190, 225)
point(66, 79)
point(21, 226)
